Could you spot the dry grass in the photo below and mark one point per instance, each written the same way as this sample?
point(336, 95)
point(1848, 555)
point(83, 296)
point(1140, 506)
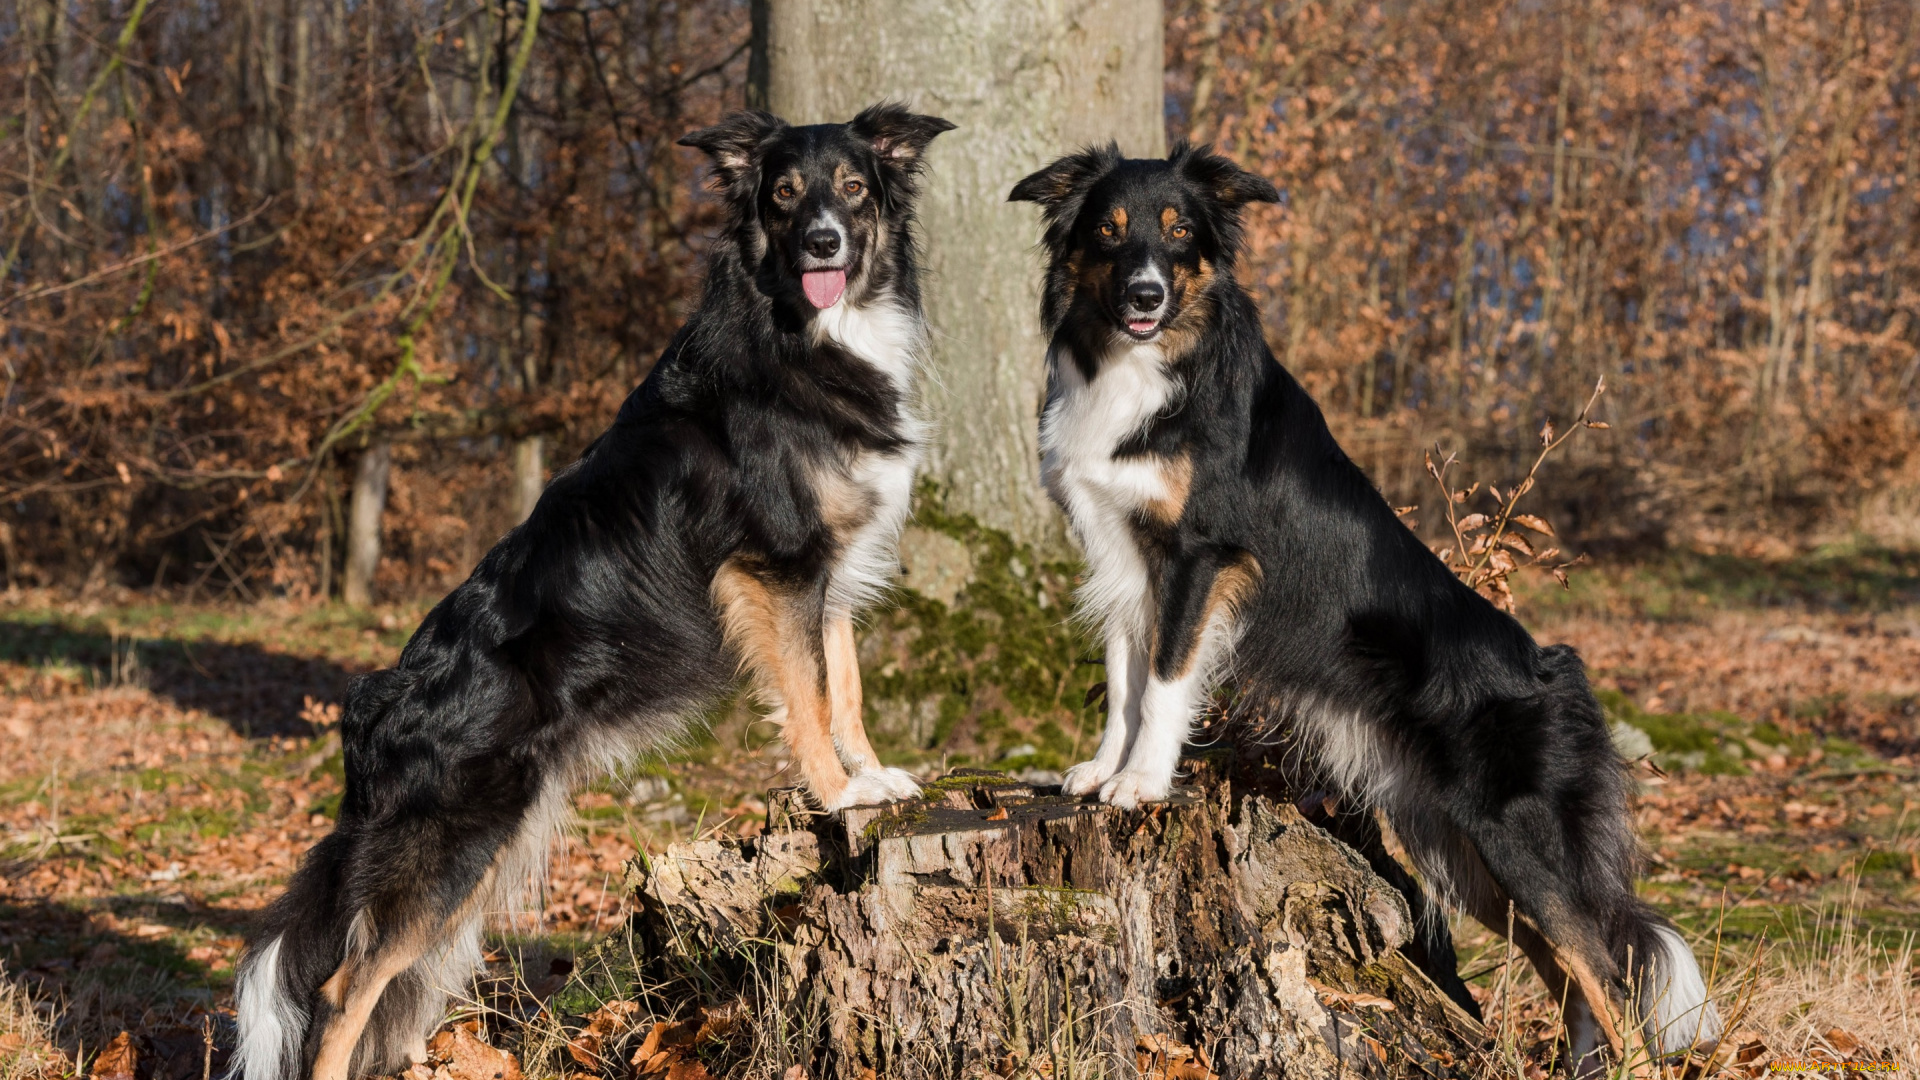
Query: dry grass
point(27, 1051)
point(1834, 988)
point(1825, 987)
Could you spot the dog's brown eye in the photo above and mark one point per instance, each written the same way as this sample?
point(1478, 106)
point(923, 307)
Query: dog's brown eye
point(1181, 232)
point(785, 191)
point(1106, 228)
point(855, 187)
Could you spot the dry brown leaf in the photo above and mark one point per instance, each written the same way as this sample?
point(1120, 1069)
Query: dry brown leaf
point(118, 1060)
point(1537, 524)
point(1842, 1040)
point(607, 1022)
point(663, 1052)
point(466, 1057)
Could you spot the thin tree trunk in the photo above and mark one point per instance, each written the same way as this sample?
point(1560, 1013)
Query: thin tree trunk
point(363, 524)
point(529, 474)
point(1026, 83)
point(1206, 71)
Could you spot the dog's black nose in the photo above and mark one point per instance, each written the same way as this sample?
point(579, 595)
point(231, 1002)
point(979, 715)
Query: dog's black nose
point(823, 243)
point(1146, 295)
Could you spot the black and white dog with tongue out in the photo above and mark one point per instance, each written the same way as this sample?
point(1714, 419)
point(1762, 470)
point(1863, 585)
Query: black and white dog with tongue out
point(744, 504)
point(1224, 530)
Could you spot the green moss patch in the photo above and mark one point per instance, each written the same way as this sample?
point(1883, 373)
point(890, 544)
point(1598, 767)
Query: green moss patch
point(1710, 743)
point(1000, 676)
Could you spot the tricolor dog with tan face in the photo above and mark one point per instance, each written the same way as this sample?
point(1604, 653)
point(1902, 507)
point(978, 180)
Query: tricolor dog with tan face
point(1226, 532)
point(742, 506)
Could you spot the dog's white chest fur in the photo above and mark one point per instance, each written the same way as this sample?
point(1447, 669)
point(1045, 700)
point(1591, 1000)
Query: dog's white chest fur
point(892, 340)
point(1079, 431)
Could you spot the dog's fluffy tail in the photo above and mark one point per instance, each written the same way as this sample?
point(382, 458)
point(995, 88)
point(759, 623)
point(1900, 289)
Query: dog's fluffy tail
point(273, 1023)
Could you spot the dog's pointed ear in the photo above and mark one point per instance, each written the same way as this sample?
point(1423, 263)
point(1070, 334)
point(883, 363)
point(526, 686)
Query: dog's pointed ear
point(1232, 185)
point(1059, 187)
point(899, 137)
point(734, 143)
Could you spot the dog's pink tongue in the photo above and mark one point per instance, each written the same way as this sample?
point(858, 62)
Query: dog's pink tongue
point(824, 286)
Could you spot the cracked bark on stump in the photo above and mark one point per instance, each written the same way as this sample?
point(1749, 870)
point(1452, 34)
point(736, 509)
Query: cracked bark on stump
point(995, 924)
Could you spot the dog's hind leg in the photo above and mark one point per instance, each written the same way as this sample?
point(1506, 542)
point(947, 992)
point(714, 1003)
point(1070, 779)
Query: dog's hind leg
point(416, 999)
point(1453, 861)
point(414, 939)
point(1565, 942)
point(848, 727)
point(355, 989)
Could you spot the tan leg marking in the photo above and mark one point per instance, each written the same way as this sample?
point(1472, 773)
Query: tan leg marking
point(1599, 1002)
point(849, 729)
point(355, 989)
point(771, 632)
point(1564, 973)
point(1231, 587)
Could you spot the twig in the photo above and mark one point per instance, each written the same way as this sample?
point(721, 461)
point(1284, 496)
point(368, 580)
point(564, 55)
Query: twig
point(1548, 444)
point(1477, 554)
point(128, 264)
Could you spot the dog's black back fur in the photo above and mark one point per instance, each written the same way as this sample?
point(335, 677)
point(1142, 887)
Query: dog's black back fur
point(1351, 642)
point(589, 633)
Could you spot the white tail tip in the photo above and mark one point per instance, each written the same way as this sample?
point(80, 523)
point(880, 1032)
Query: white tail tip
point(272, 1028)
point(1680, 1015)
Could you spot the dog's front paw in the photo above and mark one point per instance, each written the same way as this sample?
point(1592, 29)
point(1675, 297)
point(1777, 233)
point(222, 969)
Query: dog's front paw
point(1128, 789)
point(1086, 778)
point(900, 784)
point(873, 787)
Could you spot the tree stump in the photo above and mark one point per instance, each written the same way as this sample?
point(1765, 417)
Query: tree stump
point(999, 929)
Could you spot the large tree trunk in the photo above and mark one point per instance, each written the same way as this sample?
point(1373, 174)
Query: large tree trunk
point(369, 501)
point(994, 926)
point(1026, 82)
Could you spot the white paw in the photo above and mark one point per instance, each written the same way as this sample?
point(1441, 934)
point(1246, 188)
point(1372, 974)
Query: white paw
point(1086, 778)
point(1129, 789)
point(872, 788)
point(901, 785)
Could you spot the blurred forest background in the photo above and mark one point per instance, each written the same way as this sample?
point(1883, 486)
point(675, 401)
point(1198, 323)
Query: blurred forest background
point(252, 250)
point(302, 300)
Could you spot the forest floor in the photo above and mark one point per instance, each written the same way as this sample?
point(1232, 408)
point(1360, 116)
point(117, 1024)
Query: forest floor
point(165, 765)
